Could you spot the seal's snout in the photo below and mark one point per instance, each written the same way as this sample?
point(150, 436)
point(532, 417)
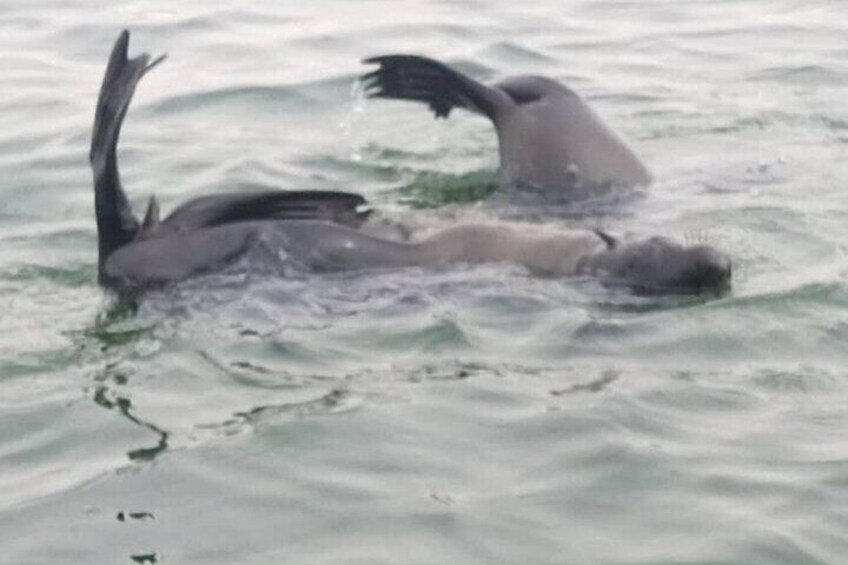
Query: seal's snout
point(709, 268)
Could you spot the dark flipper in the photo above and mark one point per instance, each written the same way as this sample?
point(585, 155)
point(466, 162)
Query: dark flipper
point(410, 77)
point(116, 224)
point(217, 209)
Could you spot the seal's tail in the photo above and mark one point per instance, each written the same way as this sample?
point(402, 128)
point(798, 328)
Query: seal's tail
point(116, 224)
point(420, 79)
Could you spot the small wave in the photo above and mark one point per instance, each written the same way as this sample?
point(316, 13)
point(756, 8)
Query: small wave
point(333, 402)
point(367, 168)
point(272, 98)
point(507, 53)
point(66, 276)
point(336, 401)
point(800, 380)
point(806, 75)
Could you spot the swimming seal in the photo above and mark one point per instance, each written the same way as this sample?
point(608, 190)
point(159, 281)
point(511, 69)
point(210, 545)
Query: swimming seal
point(550, 140)
point(321, 231)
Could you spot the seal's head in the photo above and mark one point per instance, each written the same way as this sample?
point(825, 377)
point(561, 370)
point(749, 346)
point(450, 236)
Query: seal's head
point(659, 265)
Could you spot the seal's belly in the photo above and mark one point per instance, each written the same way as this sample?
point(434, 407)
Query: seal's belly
point(324, 246)
point(556, 142)
point(534, 152)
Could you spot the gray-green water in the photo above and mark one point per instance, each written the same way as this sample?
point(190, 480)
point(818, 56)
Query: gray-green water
point(465, 416)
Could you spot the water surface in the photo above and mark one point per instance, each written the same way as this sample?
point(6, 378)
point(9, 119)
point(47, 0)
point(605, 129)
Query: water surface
point(475, 415)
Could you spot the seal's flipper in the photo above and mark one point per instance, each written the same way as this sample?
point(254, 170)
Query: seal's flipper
point(411, 77)
point(217, 209)
point(340, 207)
point(116, 224)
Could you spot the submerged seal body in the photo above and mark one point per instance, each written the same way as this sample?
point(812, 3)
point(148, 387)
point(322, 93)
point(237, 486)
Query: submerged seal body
point(321, 230)
point(549, 138)
point(655, 265)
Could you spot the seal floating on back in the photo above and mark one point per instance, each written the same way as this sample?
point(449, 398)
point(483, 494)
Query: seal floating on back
point(320, 230)
point(549, 139)
point(198, 235)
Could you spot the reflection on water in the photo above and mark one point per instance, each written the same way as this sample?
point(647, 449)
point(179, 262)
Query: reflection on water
point(145, 558)
point(123, 516)
point(108, 399)
point(607, 378)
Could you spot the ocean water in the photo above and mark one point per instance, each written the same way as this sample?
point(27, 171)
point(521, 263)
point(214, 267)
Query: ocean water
point(471, 415)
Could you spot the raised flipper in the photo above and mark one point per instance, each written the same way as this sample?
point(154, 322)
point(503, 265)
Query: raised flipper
point(116, 224)
point(411, 77)
point(217, 209)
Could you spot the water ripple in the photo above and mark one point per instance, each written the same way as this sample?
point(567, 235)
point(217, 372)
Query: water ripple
point(481, 414)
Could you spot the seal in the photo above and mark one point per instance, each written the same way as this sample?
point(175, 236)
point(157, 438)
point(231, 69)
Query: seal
point(186, 241)
point(652, 266)
point(323, 230)
point(550, 140)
